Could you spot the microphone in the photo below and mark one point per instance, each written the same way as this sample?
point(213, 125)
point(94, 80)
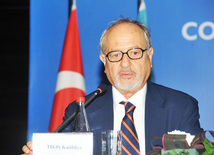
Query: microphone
point(101, 89)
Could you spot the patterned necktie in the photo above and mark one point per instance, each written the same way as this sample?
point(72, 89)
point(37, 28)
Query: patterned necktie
point(130, 142)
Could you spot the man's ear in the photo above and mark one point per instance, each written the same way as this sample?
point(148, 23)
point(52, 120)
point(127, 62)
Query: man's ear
point(103, 58)
point(150, 54)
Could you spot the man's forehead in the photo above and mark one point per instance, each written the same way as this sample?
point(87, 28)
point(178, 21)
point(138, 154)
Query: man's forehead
point(125, 35)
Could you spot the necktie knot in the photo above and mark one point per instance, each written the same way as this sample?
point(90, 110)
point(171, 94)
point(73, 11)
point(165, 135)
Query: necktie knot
point(129, 107)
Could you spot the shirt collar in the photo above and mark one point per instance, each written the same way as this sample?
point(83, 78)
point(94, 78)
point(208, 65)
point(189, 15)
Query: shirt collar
point(138, 99)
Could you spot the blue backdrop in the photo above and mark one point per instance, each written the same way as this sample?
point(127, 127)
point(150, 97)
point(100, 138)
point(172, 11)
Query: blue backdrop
point(182, 36)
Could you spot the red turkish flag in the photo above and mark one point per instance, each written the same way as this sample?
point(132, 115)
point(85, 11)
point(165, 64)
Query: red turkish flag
point(70, 80)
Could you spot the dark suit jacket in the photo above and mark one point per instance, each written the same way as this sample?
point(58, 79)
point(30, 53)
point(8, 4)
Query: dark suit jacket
point(166, 110)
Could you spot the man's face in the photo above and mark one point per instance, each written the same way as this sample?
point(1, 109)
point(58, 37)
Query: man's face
point(127, 75)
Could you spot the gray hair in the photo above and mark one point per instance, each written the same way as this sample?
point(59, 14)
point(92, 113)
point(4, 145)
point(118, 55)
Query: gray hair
point(125, 20)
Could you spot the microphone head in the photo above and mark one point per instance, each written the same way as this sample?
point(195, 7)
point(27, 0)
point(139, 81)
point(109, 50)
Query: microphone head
point(101, 88)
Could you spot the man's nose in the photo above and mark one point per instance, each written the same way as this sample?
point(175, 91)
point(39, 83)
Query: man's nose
point(125, 62)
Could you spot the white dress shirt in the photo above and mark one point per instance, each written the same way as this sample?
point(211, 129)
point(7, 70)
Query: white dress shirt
point(138, 100)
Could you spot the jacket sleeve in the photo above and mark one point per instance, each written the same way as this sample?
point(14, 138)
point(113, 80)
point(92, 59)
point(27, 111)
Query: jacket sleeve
point(190, 118)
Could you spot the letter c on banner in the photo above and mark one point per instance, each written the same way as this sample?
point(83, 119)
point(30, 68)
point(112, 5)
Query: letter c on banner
point(185, 28)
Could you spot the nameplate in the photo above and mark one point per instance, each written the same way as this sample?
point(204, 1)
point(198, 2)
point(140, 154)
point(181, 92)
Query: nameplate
point(63, 143)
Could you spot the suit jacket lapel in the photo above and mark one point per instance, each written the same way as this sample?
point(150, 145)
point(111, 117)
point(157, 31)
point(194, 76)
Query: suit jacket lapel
point(153, 114)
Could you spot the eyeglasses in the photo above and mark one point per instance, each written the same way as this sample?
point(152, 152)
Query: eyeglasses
point(134, 54)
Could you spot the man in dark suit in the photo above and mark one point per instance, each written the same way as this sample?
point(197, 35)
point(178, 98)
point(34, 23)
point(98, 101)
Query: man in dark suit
point(126, 53)
point(127, 58)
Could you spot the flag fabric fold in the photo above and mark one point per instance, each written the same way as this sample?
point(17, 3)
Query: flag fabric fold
point(70, 79)
point(142, 15)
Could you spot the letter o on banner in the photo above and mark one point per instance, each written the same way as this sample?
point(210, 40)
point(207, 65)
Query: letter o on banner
point(201, 30)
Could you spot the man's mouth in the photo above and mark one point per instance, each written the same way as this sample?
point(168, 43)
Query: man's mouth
point(126, 75)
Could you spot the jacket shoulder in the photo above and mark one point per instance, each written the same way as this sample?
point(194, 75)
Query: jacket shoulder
point(167, 92)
